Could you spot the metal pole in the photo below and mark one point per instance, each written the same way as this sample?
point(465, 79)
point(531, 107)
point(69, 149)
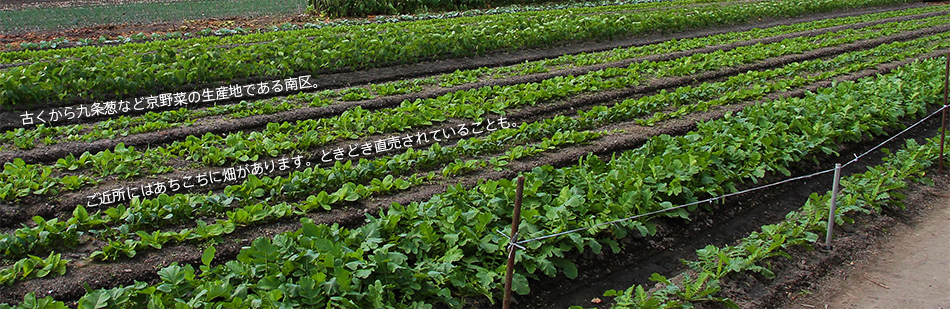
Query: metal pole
point(943, 121)
point(515, 221)
point(834, 200)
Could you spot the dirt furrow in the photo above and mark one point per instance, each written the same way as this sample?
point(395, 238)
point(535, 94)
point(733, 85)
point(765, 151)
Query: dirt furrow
point(8, 65)
point(142, 267)
point(62, 205)
point(677, 239)
point(728, 222)
point(349, 77)
point(224, 126)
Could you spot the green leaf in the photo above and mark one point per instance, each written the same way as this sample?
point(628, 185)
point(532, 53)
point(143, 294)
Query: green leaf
point(519, 284)
point(208, 255)
point(80, 214)
point(94, 300)
point(570, 270)
point(575, 201)
point(268, 283)
point(659, 278)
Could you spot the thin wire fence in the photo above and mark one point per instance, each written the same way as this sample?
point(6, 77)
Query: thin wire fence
point(713, 199)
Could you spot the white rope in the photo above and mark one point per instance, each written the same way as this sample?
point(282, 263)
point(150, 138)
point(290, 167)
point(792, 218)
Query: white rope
point(856, 157)
point(712, 199)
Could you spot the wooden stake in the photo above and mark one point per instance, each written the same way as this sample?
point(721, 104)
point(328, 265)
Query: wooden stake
point(943, 121)
point(515, 221)
point(834, 200)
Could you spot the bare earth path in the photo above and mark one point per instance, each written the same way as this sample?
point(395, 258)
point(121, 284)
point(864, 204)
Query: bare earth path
point(910, 268)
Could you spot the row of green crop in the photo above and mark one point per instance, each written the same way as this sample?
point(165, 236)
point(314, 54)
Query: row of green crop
point(282, 138)
point(33, 267)
point(446, 249)
point(337, 184)
point(19, 180)
point(63, 42)
point(343, 180)
point(96, 76)
point(272, 38)
point(26, 138)
point(125, 245)
point(285, 137)
point(321, 30)
point(156, 239)
point(349, 8)
point(179, 208)
point(764, 83)
point(863, 192)
point(202, 232)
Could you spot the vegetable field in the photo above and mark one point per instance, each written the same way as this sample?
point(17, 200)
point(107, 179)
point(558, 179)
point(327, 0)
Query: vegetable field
point(373, 165)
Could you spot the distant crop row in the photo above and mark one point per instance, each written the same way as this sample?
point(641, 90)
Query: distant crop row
point(98, 76)
point(27, 138)
point(284, 138)
point(340, 28)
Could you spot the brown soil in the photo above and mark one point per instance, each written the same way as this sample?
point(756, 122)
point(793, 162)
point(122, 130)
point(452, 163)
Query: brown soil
point(69, 286)
point(112, 31)
point(346, 79)
point(897, 259)
point(142, 267)
point(227, 22)
point(349, 77)
point(726, 224)
point(63, 204)
point(905, 266)
point(21, 4)
point(222, 126)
